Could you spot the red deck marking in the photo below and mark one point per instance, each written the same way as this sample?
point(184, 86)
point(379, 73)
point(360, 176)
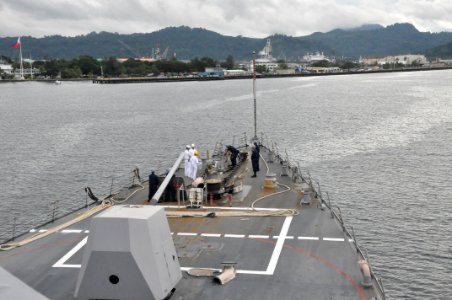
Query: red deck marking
point(326, 263)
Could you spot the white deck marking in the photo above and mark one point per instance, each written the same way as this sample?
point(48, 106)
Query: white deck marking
point(350, 240)
point(187, 233)
point(289, 237)
point(211, 234)
point(236, 236)
point(229, 208)
point(32, 230)
point(42, 230)
point(253, 272)
point(333, 239)
point(256, 236)
point(279, 245)
point(86, 231)
point(312, 238)
point(71, 231)
point(61, 262)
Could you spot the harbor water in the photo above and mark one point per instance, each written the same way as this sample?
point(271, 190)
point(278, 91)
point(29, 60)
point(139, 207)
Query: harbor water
point(379, 144)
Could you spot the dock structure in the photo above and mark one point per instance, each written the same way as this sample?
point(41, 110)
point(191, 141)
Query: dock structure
point(249, 76)
point(159, 79)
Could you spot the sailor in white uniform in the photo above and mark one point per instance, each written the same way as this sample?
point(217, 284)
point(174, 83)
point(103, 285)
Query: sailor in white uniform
point(192, 150)
point(187, 160)
point(194, 165)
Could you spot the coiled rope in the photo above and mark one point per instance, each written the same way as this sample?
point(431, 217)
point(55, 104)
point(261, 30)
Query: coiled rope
point(255, 212)
point(115, 201)
point(282, 212)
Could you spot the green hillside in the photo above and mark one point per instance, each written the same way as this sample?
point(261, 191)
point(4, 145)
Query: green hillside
point(188, 43)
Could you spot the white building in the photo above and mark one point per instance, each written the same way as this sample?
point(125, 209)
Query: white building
point(6, 69)
point(314, 57)
point(406, 59)
point(237, 72)
point(265, 59)
point(27, 71)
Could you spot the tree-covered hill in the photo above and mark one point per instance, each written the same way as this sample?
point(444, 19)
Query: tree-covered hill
point(442, 51)
point(188, 43)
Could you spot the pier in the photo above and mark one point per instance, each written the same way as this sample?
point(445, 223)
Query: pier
point(212, 78)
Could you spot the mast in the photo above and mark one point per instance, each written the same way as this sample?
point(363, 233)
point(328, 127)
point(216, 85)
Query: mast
point(31, 67)
point(254, 96)
point(21, 64)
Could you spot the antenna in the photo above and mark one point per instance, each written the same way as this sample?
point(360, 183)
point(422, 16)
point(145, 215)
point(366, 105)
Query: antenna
point(21, 64)
point(254, 95)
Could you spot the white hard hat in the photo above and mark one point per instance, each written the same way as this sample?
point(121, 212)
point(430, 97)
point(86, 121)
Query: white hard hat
point(193, 145)
point(188, 146)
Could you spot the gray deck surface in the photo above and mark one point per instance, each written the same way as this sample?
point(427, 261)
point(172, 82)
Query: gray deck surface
point(316, 260)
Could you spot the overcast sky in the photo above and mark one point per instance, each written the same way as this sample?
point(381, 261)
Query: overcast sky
point(251, 18)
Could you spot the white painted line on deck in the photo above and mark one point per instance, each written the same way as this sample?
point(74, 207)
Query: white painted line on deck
point(256, 236)
point(32, 230)
point(253, 272)
point(333, 239)
point(211, 234)
point(350, 240)
point(236, 236)
point(289, 237)
point(311, 238)
point(279, 245)
point(86, 231)
point(61, 262)
point(229, 208)
point(71, 231)
point(187, 233)
point(43, 230)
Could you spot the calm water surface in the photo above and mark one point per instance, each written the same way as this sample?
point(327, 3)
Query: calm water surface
point(379, 144)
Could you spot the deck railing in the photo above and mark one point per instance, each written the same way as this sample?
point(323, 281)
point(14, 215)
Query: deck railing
point(16, 226)
point(300, 175)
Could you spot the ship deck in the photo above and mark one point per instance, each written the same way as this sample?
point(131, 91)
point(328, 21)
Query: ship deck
point(292, 256)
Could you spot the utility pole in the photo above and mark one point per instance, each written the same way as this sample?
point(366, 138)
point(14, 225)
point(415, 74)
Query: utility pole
point(21, 64)
point(31, 67)
point(254, 95)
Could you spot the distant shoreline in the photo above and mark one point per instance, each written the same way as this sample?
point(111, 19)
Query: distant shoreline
point(185, 79)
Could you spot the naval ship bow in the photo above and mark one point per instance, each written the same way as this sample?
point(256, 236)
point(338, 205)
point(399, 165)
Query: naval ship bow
point(224, 235)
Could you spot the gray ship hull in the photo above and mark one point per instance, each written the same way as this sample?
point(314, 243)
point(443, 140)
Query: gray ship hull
point(305, 252)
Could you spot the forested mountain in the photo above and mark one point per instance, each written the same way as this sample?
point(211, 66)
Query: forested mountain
point(443, 51)
point(188, 43)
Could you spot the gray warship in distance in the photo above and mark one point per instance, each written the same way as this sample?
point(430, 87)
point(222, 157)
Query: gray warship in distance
point(225, 236)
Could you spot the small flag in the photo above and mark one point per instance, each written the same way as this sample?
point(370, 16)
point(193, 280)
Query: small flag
point(17, 44)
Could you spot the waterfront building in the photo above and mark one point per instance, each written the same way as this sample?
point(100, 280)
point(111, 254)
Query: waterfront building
point(27, 71)
point(6, 69)
point(315, 57)
point(406, 59)
point(212, 72)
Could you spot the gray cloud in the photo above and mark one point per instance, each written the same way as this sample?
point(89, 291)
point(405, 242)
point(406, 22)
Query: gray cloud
point(254, 18)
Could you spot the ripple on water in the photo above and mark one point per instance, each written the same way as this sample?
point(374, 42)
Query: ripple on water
point(380, 147)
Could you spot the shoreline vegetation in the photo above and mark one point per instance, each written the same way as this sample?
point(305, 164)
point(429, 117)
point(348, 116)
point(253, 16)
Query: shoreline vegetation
point(112, 70)
point(182, 78)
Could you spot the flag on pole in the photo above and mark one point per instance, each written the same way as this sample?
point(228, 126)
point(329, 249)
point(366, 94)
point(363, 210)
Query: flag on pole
point(17, 44)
